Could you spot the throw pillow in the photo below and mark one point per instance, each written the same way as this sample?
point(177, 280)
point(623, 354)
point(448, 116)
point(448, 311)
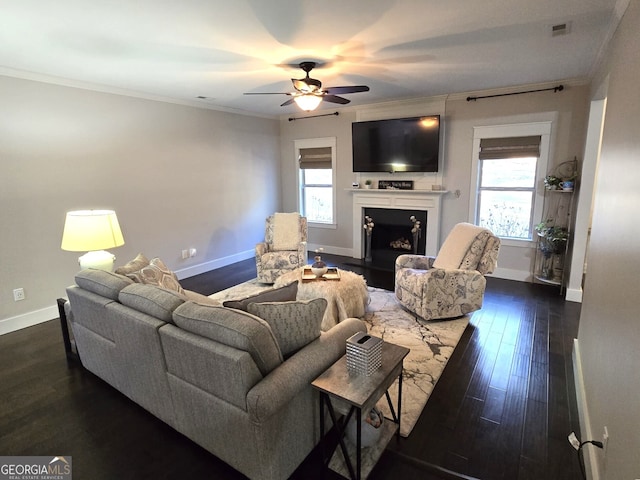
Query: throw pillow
point(157, 273)
point(283, 294)
point(294, 324)
point(133, 265)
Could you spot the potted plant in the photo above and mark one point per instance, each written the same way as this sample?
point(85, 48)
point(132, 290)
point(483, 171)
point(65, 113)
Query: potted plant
point(368, 183)
point(552, 244)
point(551, 182)
point(554, 238)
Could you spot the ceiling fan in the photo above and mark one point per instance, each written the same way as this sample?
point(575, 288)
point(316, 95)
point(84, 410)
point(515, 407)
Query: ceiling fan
point(309, 92)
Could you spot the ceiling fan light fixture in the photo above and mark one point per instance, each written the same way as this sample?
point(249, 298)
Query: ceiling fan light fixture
point(308, 101)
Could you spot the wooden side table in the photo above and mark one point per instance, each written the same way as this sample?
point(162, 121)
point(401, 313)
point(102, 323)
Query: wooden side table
point(69, 345)
point(361, 393)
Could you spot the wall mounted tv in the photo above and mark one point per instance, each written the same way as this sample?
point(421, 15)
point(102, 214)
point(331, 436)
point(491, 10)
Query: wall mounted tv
point(396, 145)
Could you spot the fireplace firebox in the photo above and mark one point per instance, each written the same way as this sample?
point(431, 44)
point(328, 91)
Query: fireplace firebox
point(392, 235)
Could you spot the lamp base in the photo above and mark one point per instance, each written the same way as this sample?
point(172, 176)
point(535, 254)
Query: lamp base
point(98, 259)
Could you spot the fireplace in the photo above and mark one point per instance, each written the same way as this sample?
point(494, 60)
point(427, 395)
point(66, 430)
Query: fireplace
point(392, 235)
point(425, 202)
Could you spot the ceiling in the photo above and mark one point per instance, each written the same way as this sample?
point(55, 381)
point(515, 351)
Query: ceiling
point(219, 49)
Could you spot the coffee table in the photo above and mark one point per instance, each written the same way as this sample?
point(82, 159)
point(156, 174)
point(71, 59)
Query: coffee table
point(360, 392)
point(347, 297)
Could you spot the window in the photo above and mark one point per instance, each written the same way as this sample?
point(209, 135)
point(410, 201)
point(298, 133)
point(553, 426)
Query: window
point(316, 159)
point(508, 172)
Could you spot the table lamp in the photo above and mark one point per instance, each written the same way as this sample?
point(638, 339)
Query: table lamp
point(92, 231)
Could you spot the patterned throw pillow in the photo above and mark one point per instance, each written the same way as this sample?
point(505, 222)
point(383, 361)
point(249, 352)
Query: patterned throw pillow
point(157, 273)
point(134, 265)
point(294, 324)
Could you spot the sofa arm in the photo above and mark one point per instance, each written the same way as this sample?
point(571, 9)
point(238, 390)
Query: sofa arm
point(297, 372)
point(418, 262)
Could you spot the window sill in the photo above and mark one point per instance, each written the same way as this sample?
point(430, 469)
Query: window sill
point(510, 242)
point(332, 226)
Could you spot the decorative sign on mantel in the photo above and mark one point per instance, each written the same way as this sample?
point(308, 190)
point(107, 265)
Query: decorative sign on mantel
point(395, 184)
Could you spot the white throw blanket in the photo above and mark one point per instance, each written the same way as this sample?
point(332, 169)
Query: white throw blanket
point(456, 245)
point(286, 231)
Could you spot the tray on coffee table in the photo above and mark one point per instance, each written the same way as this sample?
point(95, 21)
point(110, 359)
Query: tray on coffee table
point(332, 274)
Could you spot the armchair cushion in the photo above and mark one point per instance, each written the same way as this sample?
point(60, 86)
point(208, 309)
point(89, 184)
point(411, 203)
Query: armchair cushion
point(286, 231)
point(455, 247)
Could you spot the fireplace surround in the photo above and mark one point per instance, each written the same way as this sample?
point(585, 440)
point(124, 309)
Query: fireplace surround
point(410, 200)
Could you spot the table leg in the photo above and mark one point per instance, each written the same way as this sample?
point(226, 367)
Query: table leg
point(358, 443)
point(66, 338)
point(399, 401)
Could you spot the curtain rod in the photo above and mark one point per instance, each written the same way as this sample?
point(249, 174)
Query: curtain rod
point(559, 88)
point(291, 119)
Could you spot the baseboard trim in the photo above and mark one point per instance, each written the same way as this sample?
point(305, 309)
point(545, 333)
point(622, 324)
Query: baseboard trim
point(213, 264)
point(510, 274)
point(590, 460)
point(28, 319)
point(574, 295)
point(345, 252)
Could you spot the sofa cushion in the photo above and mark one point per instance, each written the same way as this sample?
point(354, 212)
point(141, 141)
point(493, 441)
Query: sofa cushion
point(282, 294)
point(234, 328)
point(106, 284)
point(157, 273)
point(294, 324)
point(133, 265)
point(152, 300)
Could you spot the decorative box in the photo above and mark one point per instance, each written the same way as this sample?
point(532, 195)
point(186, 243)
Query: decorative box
point(364, 353)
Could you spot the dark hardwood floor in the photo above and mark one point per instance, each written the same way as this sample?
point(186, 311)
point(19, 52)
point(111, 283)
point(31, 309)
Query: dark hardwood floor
point(501, 410)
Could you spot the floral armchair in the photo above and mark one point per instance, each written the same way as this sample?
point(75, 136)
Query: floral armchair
point(277, 255)
point(453, 283)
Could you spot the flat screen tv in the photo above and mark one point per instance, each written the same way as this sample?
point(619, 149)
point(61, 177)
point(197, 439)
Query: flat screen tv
point(396, 145)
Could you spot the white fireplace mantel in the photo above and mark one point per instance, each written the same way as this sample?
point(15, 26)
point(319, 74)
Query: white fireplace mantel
point(423, 200)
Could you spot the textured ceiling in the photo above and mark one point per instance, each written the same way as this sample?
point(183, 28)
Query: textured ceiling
point(221, 49)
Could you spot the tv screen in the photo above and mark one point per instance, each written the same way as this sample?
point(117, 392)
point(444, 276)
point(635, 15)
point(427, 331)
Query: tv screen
point(396, 145)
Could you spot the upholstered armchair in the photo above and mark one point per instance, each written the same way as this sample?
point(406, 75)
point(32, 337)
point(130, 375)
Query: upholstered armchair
point(453, 283)
point(284, 247)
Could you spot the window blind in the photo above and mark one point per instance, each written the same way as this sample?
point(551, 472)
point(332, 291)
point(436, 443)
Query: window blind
point(315, 158)
point(509, 147)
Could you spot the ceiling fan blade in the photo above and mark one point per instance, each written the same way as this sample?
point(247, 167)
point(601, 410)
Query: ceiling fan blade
point(288, 102)
point(351, 89)
point(335, 99)
point(266, 93)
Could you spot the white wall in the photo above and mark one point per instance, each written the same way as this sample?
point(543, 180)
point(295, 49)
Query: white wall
point(569, 108)
point(609, 335)
point(177, 176)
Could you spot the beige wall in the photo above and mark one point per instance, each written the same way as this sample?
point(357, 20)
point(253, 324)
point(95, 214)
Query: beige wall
point(569, 108)
point(609, 336)
point(177, 176)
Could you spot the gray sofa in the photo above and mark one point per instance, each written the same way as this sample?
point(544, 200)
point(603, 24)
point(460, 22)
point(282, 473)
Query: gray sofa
point(213, 373)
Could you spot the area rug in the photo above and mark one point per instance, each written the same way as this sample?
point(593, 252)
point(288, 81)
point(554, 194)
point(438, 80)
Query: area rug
point(431, 344)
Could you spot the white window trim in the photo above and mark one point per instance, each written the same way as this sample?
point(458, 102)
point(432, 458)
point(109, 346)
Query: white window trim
point(316, 143)
point(543, 129)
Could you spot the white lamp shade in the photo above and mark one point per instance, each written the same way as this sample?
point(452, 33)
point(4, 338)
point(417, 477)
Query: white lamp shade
point(88, 230)
point(308, 101)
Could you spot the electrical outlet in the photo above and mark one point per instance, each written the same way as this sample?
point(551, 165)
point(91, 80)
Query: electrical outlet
point(192, 252)
point(185, 254)
point(573, 440)
point(18, 294)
